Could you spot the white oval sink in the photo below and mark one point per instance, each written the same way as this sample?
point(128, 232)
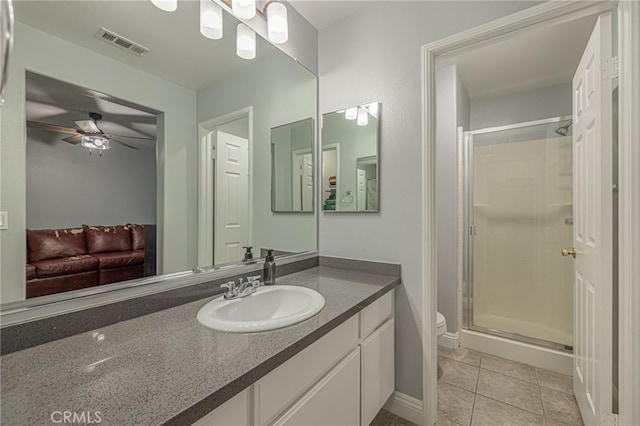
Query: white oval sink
point(267, 309)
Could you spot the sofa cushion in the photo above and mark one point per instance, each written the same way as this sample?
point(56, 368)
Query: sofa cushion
point(52, 285)
point(101, 239)
point(137, 236)
point(108, 276)
point(119, 259)
point(31, 272)
point(65, 266)
point(55, 243)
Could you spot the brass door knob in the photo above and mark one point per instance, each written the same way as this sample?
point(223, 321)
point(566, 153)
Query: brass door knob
point(569, 252)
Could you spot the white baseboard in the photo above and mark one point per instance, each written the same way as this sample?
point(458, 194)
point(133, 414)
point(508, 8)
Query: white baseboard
point(449, 340)
point(405, 406)
point(537, 356)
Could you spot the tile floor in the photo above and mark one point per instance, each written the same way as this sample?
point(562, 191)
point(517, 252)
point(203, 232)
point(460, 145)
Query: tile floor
point(480, 389)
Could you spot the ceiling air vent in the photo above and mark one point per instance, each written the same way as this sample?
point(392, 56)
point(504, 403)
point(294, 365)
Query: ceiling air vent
point(110, 37)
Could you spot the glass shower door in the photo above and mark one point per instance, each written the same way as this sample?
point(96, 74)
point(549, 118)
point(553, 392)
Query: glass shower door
point(520, 212)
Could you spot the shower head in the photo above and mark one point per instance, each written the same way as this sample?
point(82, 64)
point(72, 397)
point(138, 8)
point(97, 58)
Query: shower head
point(564, 130)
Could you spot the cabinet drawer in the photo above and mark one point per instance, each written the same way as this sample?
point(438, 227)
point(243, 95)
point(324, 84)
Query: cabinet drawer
point(234, 412)
point(278, 389)
point(375, 314)
point(333, 401)
point(378, 370)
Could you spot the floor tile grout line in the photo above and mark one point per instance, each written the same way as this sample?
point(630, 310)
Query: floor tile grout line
point(514, 406)
point(511, 377)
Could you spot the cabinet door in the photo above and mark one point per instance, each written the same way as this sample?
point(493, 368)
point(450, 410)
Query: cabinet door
point(234, 412)
point(378, 371)
point(333, 401)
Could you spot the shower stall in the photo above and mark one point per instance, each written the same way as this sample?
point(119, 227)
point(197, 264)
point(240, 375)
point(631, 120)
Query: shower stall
point(519, 191)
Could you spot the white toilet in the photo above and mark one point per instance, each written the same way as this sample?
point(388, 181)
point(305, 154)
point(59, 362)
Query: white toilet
point(442, 324)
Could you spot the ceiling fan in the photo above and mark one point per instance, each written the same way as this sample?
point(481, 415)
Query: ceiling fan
point(89, 134)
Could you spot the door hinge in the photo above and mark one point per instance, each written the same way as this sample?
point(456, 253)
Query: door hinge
point(610, 68)
point(472, 230)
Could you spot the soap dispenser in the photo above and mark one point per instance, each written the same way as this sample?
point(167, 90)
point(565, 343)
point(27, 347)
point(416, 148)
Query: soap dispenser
point(269, 269)
point(248, 255)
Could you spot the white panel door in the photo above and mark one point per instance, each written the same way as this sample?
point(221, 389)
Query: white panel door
point(301, 181)
point(231, 205)
point(307, 182)
point(361, 193)
point(592, 156)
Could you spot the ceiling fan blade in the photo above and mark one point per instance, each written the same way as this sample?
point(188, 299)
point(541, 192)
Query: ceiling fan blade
point(75, 139)
point(133, 137)
point(125, 144)
point(88, 126)
point(52, 127)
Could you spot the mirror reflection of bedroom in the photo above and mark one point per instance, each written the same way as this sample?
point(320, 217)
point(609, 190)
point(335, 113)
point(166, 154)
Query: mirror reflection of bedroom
point(91, 183)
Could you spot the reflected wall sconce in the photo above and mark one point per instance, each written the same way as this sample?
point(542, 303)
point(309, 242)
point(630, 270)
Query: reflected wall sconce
point(210, 19)
point(245, 42)
point(166, 5)
point(351, 113)
point(363, 117)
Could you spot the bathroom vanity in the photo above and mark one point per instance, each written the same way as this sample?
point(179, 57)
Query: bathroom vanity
point(166, 368)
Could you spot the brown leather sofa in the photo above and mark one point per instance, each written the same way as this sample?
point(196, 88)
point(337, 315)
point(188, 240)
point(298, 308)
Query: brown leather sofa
point(60, 260)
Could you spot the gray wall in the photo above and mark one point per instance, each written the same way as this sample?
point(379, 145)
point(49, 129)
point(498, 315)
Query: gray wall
point(520, 107)
point(67, 187)
point(452, 111)
point(375, 55)
point(280, 92)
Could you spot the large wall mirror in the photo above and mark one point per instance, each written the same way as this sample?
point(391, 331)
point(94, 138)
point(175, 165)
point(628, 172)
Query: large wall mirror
point(119, 166)
point(350, 170)
point(292, 188)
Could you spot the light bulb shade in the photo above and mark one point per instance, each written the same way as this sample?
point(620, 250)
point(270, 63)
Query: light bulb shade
point(373, 109)
point(245, 42)
point(351, 113)
point(95, 142)
point(277, 23)
point(166, 5)
point(210, 19)
point(244, 9)
point(363, 117)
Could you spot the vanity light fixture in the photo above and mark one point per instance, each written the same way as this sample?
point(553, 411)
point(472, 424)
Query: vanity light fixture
point(351, 113)
point(244, 9)
point(245, 42)
point(363, 117)
point(277, 23)
point(210, 19)
point(95, 142)
point(166, 5)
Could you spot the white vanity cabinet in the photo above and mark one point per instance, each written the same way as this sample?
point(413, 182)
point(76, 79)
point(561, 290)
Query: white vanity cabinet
point(344, 378)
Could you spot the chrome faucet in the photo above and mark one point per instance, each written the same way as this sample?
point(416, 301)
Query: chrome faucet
point(242, 289)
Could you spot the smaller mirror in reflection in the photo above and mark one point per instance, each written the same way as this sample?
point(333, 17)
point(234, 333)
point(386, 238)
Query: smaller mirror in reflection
point(350, 159)
point(292, 167)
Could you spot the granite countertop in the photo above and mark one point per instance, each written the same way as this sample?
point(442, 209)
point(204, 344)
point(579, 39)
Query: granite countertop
point(165, 367)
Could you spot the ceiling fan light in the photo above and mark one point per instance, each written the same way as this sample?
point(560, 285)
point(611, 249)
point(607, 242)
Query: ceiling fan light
point(277, 23)
point(245, 42)
point(166, 5)
point(244, 9)
point(95, 142)
point(363, 117)
point(351, 113)
point(210, 19)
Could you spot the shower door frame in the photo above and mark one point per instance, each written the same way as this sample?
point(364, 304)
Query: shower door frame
point(469, 230)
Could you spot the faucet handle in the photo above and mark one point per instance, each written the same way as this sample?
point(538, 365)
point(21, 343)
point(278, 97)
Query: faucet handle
point(230, 286)
point(254, 278)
